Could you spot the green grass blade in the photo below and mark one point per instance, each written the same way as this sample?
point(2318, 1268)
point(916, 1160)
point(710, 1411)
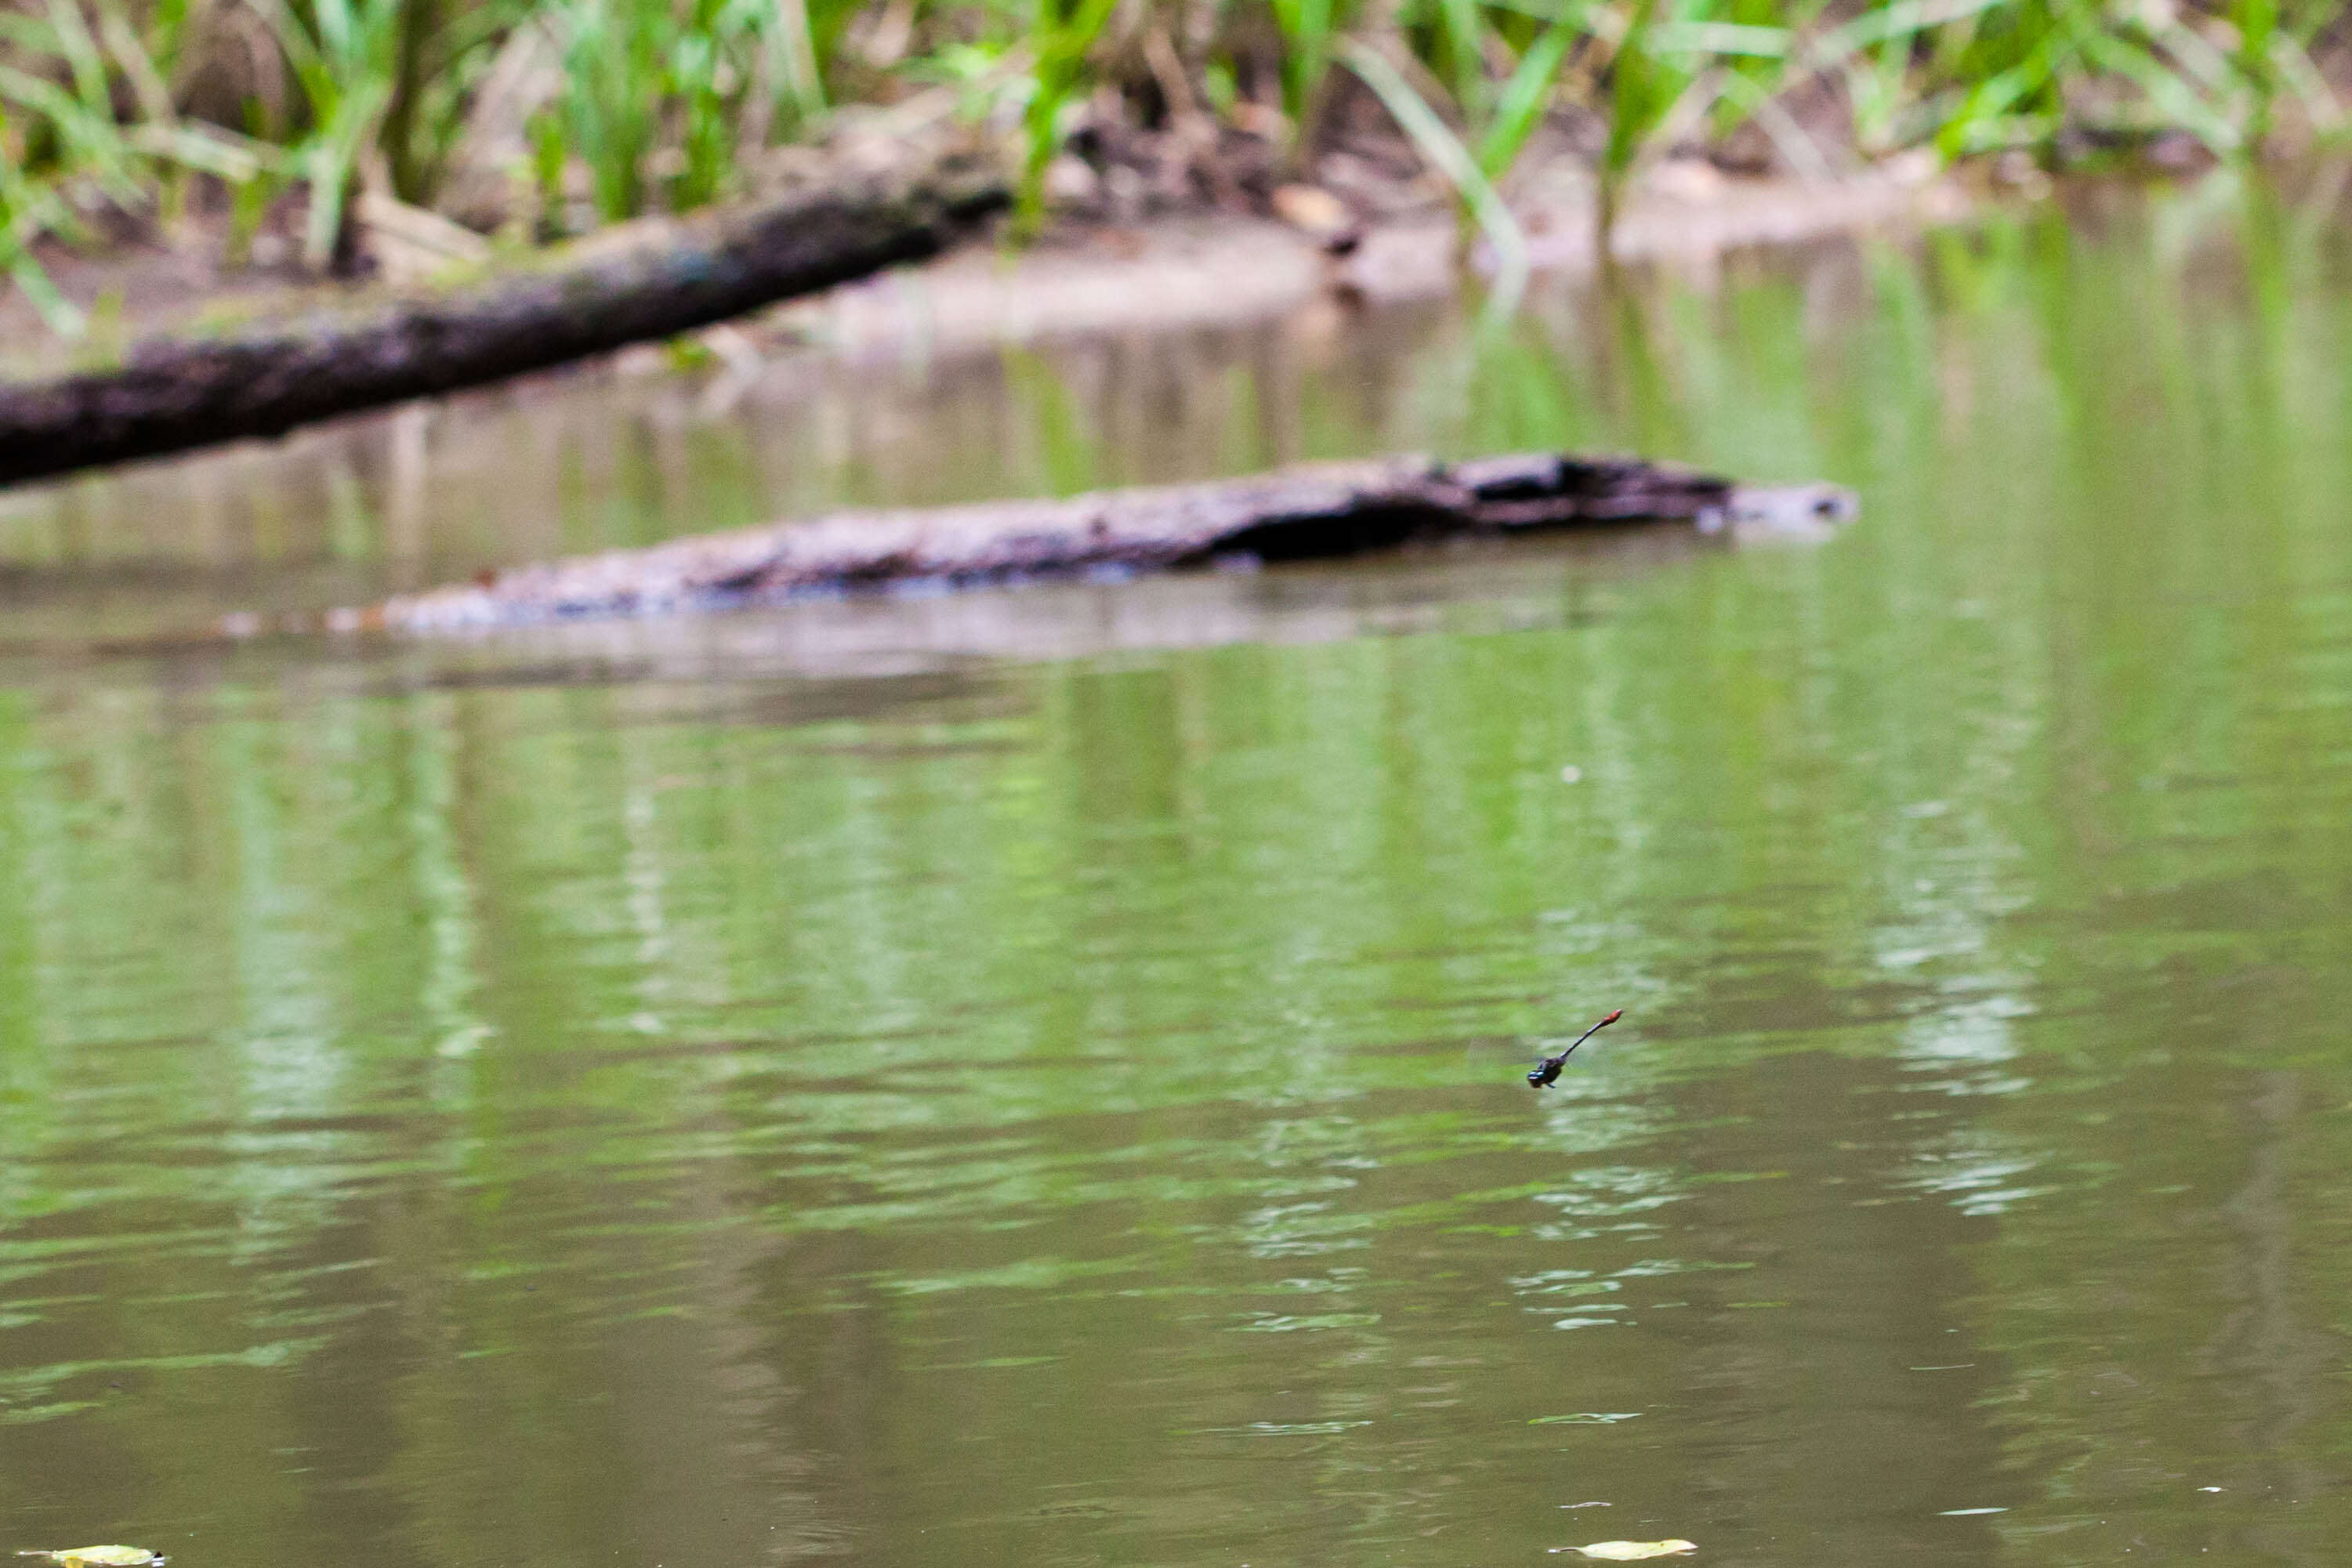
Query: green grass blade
point(1902, 19)
point(1464, 41)
point(1989, 100)
point(1061, 50)
point(1524, 100)
point(58, 313)
point(1797, 149)
point(2295, 67)
point(1446, 153)
point(1718, 38)
point(2172, 96)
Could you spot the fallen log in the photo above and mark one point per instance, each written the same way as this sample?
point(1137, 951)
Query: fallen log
point(173, 393)
point(1323, 509)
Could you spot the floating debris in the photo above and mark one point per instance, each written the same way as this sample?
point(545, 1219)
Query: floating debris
point(1634, 1550)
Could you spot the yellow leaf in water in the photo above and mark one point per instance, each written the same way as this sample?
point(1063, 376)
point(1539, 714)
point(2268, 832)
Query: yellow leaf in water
point(1634, 1550)
point(98, 1557)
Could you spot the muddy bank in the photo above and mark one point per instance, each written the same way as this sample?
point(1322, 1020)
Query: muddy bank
point(179, 393)
point(1225, 270)
point(1314, 510)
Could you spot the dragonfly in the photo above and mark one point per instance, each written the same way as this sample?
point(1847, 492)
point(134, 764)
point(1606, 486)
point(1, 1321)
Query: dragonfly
point(1548, 1069)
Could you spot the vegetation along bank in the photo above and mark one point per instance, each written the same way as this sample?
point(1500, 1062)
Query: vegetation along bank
point(283, 138)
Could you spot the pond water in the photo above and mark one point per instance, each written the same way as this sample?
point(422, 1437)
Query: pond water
point(1037, 1077)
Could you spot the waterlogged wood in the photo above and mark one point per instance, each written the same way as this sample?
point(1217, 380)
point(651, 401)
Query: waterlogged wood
point(1324, 509)
point(174, 393)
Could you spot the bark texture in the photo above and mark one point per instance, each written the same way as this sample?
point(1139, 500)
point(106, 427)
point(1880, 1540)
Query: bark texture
point(1322, 509)
point(177, 393)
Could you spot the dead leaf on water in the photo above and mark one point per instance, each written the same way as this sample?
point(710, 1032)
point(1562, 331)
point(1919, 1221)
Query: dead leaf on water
point(100, 1556)
point(1634, 1550)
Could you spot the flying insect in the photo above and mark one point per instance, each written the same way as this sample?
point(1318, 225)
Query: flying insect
point(1545, 1072)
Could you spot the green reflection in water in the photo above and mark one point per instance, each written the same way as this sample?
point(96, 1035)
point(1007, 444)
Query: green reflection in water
point(548, 1101)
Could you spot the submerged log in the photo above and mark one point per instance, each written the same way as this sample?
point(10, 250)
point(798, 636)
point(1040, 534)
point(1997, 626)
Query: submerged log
point(1323, 509)
point(174, 393)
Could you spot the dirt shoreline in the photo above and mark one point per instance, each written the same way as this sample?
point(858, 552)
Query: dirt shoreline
point(1224, 270)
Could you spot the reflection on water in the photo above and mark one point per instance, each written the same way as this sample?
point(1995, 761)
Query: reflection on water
point(1037, 1077)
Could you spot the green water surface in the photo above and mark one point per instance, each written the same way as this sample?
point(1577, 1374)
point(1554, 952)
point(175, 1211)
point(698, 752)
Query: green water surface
point(1036, 1078)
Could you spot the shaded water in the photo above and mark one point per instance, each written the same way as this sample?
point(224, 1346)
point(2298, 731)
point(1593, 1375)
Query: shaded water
point(1036, 1078)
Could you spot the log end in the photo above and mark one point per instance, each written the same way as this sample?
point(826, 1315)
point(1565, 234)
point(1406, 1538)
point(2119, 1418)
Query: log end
point(1802, 513)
